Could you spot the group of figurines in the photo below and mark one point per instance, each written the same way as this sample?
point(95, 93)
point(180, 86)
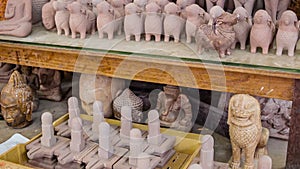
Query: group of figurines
point(21, 89)
point(77, 142)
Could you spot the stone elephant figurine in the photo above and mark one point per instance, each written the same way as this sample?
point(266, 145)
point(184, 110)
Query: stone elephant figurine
point(275, 8)
point(247, 4)
point(133, 22)
point(245, 130)
point(288, 31)
point(262, 31)
point(211, 3)
point(82, 20)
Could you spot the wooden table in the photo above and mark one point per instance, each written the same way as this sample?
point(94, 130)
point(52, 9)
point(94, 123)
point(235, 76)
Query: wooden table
point(225, 75)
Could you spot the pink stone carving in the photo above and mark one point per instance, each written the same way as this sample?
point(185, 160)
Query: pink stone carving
point(262, 31)
point(196, 16)
point(106, 22)
point(47, 139)
point(119, 11)
point(211, 3)
point(275, 8)
point(18, 14)
point(207, 152)
point(77, 143)
point(133, 22)
point(173, 23)
point(215, 12)
point(247, 4)
point(242, 28)
point(288, 31)
point(105, 150)
point(153, 21)
point(265, 162)
point(62, 16)
point(48, 14)
point(82, 20)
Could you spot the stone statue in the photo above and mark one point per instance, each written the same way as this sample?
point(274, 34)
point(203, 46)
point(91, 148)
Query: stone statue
point(174, 106)
point(245, 130)
point(16, 102)
point(48, 14)
point(219, 37)
point(18, 15)
point(133, 22)
point(153, 21)
point(62, 16)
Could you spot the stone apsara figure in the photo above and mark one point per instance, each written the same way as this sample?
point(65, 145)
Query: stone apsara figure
point(173, 23)
point(196, 16)
point(288, 31)
point(133, 22)
point(219, 37)
point(48, 15)
point(247, 4)
point(18, 14)
point(275, 8)
point(245, 130)
point(211, 3)
point(16, 102)
point(242, 28)
point(262, 31)
point(153, 21)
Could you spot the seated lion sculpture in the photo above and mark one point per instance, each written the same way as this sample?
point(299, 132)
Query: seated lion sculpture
point(245, 130)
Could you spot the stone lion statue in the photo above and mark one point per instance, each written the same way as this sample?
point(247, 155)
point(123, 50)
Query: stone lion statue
point(246, 132)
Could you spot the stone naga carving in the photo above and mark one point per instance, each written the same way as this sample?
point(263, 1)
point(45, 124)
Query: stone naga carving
point(219, 37)
point(18, 14)
point(275, 8)
point(245, 130)
point(82, 20)
point(211, 3)
point(196, 16)
point(288, 31)
point(247, 4)
point(62, 16)
point(48, 14)
point(262, 31)
point(16, 102)
point(153, 21)
point(242, 28)
point(133, 22)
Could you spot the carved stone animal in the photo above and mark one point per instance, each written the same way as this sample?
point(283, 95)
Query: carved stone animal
point(133, 22)
point(220, 36)
point(62, 16)
point(153, 21)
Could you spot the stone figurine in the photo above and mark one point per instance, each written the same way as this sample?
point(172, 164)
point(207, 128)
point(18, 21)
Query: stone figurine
point(118, 6)
point(211, 3)
point(219, 37)
point(18, 14)
point(242, 28)
point(16, 102)
point(95, 3)
point(174, 106)
point(133, 22)
point(196, 16)
point(262, 31)
point(275, 8)
point(106, 23)
point(81, 20)
point(48, 15)
point(288, 31)
point(153, 21)
point(173, 23)
point(247, 4)
point(245, 129)
point(62, 16)
point(214, 13)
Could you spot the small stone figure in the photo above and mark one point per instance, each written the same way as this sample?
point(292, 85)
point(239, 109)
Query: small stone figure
point(77, 143)
point(62, 16)
point(262, 31)
point(265, 162)
point(173, 23)
point(16, 102)
point(126, 122)
point(82, 20)
point(118, 6)
point(288, 31)
point(105, 150)
point(207, 152)
point(214, 13)
point(220, 37)
point(275, 8)
point(48, 15)
point(154, 135)
point(242, 28)
point(133, 22)
point(48, 139)
point(247, 4)
point(245, 129)
point(153, 21)
point(174, 106)
point(211, 3)
point(32, 80)
point(98, 118)
point(18, 14)
point(136, 146)
point(196, 16)
point(73, 109)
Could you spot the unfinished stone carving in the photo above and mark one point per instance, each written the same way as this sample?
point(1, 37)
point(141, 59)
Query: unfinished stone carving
point(245, 129)
point(18, 14)
point(16, 102)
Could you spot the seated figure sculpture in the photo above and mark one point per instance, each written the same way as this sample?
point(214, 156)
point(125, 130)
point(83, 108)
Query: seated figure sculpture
point(18, 15)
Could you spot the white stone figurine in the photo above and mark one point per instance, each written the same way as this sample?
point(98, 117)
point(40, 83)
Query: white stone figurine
point(47, 139)
point(135, 146)
point(105, 150)
point(153, 21)
point(133, 22)
point(207, 152)
point(77, 143)
point(154, 135)
point(73, 109)
point(97, 119)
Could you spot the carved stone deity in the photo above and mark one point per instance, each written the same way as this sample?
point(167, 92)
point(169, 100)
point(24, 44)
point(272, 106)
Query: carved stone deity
point(16, 102)
point(18, 15)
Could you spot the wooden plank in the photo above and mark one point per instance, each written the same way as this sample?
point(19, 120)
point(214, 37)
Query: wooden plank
point(293, 154)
